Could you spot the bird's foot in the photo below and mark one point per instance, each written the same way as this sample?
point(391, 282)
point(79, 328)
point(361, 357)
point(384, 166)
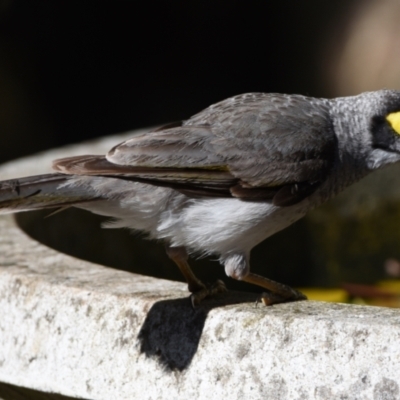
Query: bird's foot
point(269, 298)
point(207, 291)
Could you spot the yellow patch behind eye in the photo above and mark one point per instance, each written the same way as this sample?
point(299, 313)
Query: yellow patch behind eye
point(394, 121)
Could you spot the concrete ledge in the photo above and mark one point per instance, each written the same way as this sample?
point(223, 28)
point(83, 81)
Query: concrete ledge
point(79, 329)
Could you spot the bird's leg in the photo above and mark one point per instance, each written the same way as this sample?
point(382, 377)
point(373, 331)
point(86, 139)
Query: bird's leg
point(179, 256)
point(195, 286)
point(278, 292)
point(237, 267)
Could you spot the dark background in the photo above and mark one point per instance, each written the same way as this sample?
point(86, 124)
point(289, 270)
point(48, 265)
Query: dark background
point(74, 70)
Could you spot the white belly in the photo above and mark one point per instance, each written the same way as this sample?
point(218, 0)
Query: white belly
point(206, 226)
point(226, 226)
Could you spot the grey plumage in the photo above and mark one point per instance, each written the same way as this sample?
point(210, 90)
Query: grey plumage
point(228, 177)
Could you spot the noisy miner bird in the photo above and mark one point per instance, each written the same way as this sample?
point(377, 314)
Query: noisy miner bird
point(227, 178)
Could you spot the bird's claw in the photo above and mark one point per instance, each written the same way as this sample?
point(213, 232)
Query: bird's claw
point(269, 298)
point(207, 291)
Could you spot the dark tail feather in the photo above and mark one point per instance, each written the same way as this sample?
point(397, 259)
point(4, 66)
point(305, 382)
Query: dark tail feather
point(37, 192)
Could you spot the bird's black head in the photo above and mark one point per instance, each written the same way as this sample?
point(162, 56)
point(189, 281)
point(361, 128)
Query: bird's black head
point(385, 127)
point(382, 112)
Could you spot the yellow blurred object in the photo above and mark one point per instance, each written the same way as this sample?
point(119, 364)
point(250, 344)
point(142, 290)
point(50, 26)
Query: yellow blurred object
point(392, 285)
point(331, 295)
point(359, 301)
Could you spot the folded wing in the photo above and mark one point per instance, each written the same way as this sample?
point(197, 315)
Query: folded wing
point(254, 147)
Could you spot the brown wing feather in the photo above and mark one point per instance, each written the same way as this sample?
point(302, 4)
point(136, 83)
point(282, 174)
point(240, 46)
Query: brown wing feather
point(202, 182)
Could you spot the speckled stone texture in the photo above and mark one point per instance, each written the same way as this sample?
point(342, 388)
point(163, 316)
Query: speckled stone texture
point(79, 329)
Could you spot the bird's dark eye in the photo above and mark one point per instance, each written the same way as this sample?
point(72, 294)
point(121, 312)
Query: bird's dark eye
point(394, 121)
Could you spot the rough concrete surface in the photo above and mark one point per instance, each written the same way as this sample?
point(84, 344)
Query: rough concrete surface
point(79, 329)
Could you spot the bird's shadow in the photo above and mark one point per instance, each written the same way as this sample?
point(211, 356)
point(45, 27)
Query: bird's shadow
point(172, 329)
